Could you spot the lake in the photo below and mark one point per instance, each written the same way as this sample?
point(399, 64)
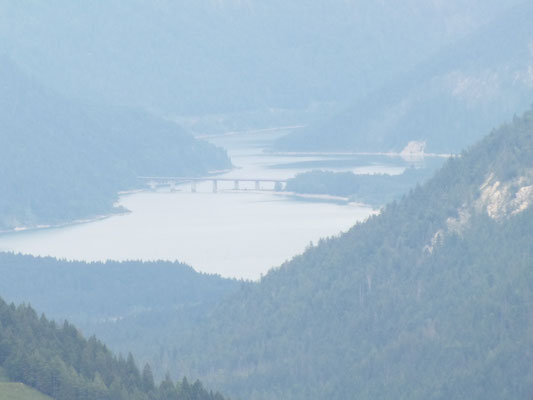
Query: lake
point(235, 234)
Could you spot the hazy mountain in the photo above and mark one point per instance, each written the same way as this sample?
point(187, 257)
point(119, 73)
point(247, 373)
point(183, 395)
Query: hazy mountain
point(61, 160)
point(180, 57)
point(458, 94)
point(92, 293)
point(432, 299)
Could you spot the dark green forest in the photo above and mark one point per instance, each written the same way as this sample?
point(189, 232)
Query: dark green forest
point(56, 360)
point(62, 160)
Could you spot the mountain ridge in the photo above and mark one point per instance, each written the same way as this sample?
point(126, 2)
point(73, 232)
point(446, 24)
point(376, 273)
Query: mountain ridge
point(213, 56)
point(374, 313)
point(459, 89)
point(79, 156)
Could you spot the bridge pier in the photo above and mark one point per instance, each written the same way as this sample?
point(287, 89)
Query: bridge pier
point(173, 182)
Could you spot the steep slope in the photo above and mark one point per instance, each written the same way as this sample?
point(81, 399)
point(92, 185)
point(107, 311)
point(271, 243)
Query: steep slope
point(448, 101)
point(432, 299)
point(58, 361)
point(221, 56)
point(61, 160)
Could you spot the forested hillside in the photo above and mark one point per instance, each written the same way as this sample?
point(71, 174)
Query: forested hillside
point(449, 101)
point(376, 190)
point(61, 160)
point(84, 292)
point(123, 303)
point(58, 361)
point(432, 299)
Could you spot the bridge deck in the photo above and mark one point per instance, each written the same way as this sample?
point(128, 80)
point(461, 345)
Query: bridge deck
point(210, 178)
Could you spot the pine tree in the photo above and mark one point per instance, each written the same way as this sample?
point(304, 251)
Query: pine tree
point(148, 378)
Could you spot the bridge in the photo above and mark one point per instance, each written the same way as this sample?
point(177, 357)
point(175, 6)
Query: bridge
point(157, 181)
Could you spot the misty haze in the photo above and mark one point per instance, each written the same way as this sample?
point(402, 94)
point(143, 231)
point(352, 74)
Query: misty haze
point(227, 199)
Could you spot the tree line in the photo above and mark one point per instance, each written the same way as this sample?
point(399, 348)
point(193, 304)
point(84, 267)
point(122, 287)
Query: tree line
point(56, 360)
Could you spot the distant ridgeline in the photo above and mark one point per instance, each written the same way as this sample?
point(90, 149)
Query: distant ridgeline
point(61, 160)
point(431, 299)
point(449, 101)
point(216, 57)
point(57, 361)
point(130, 305)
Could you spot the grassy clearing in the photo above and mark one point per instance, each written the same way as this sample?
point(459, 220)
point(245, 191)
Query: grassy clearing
point(19, 391)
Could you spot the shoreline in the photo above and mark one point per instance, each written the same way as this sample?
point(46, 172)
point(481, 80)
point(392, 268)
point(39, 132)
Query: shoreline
point(119, 210)
point(391, 154)
point(42, 227)
point(303, 196)
point(330, 198)
point(123, 211)
point(307, 196)
point(248, 132)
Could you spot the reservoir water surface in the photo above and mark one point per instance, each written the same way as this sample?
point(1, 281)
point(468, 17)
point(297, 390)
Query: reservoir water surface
point(235, 234)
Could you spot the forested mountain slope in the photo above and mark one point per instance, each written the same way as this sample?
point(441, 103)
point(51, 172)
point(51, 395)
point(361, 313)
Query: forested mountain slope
point(58, 361)
point(431, 299)
point(123, 303)
point(207, 56)
point(449, 101)
point(61, 160)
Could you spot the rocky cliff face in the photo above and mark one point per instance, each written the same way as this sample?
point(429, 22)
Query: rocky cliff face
point(498, 199)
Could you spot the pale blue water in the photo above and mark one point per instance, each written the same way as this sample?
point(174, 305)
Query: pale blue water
point(239, 235)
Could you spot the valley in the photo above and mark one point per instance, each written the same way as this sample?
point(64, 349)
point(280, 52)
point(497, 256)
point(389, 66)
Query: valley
point(219, 233)
point(250, 200)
